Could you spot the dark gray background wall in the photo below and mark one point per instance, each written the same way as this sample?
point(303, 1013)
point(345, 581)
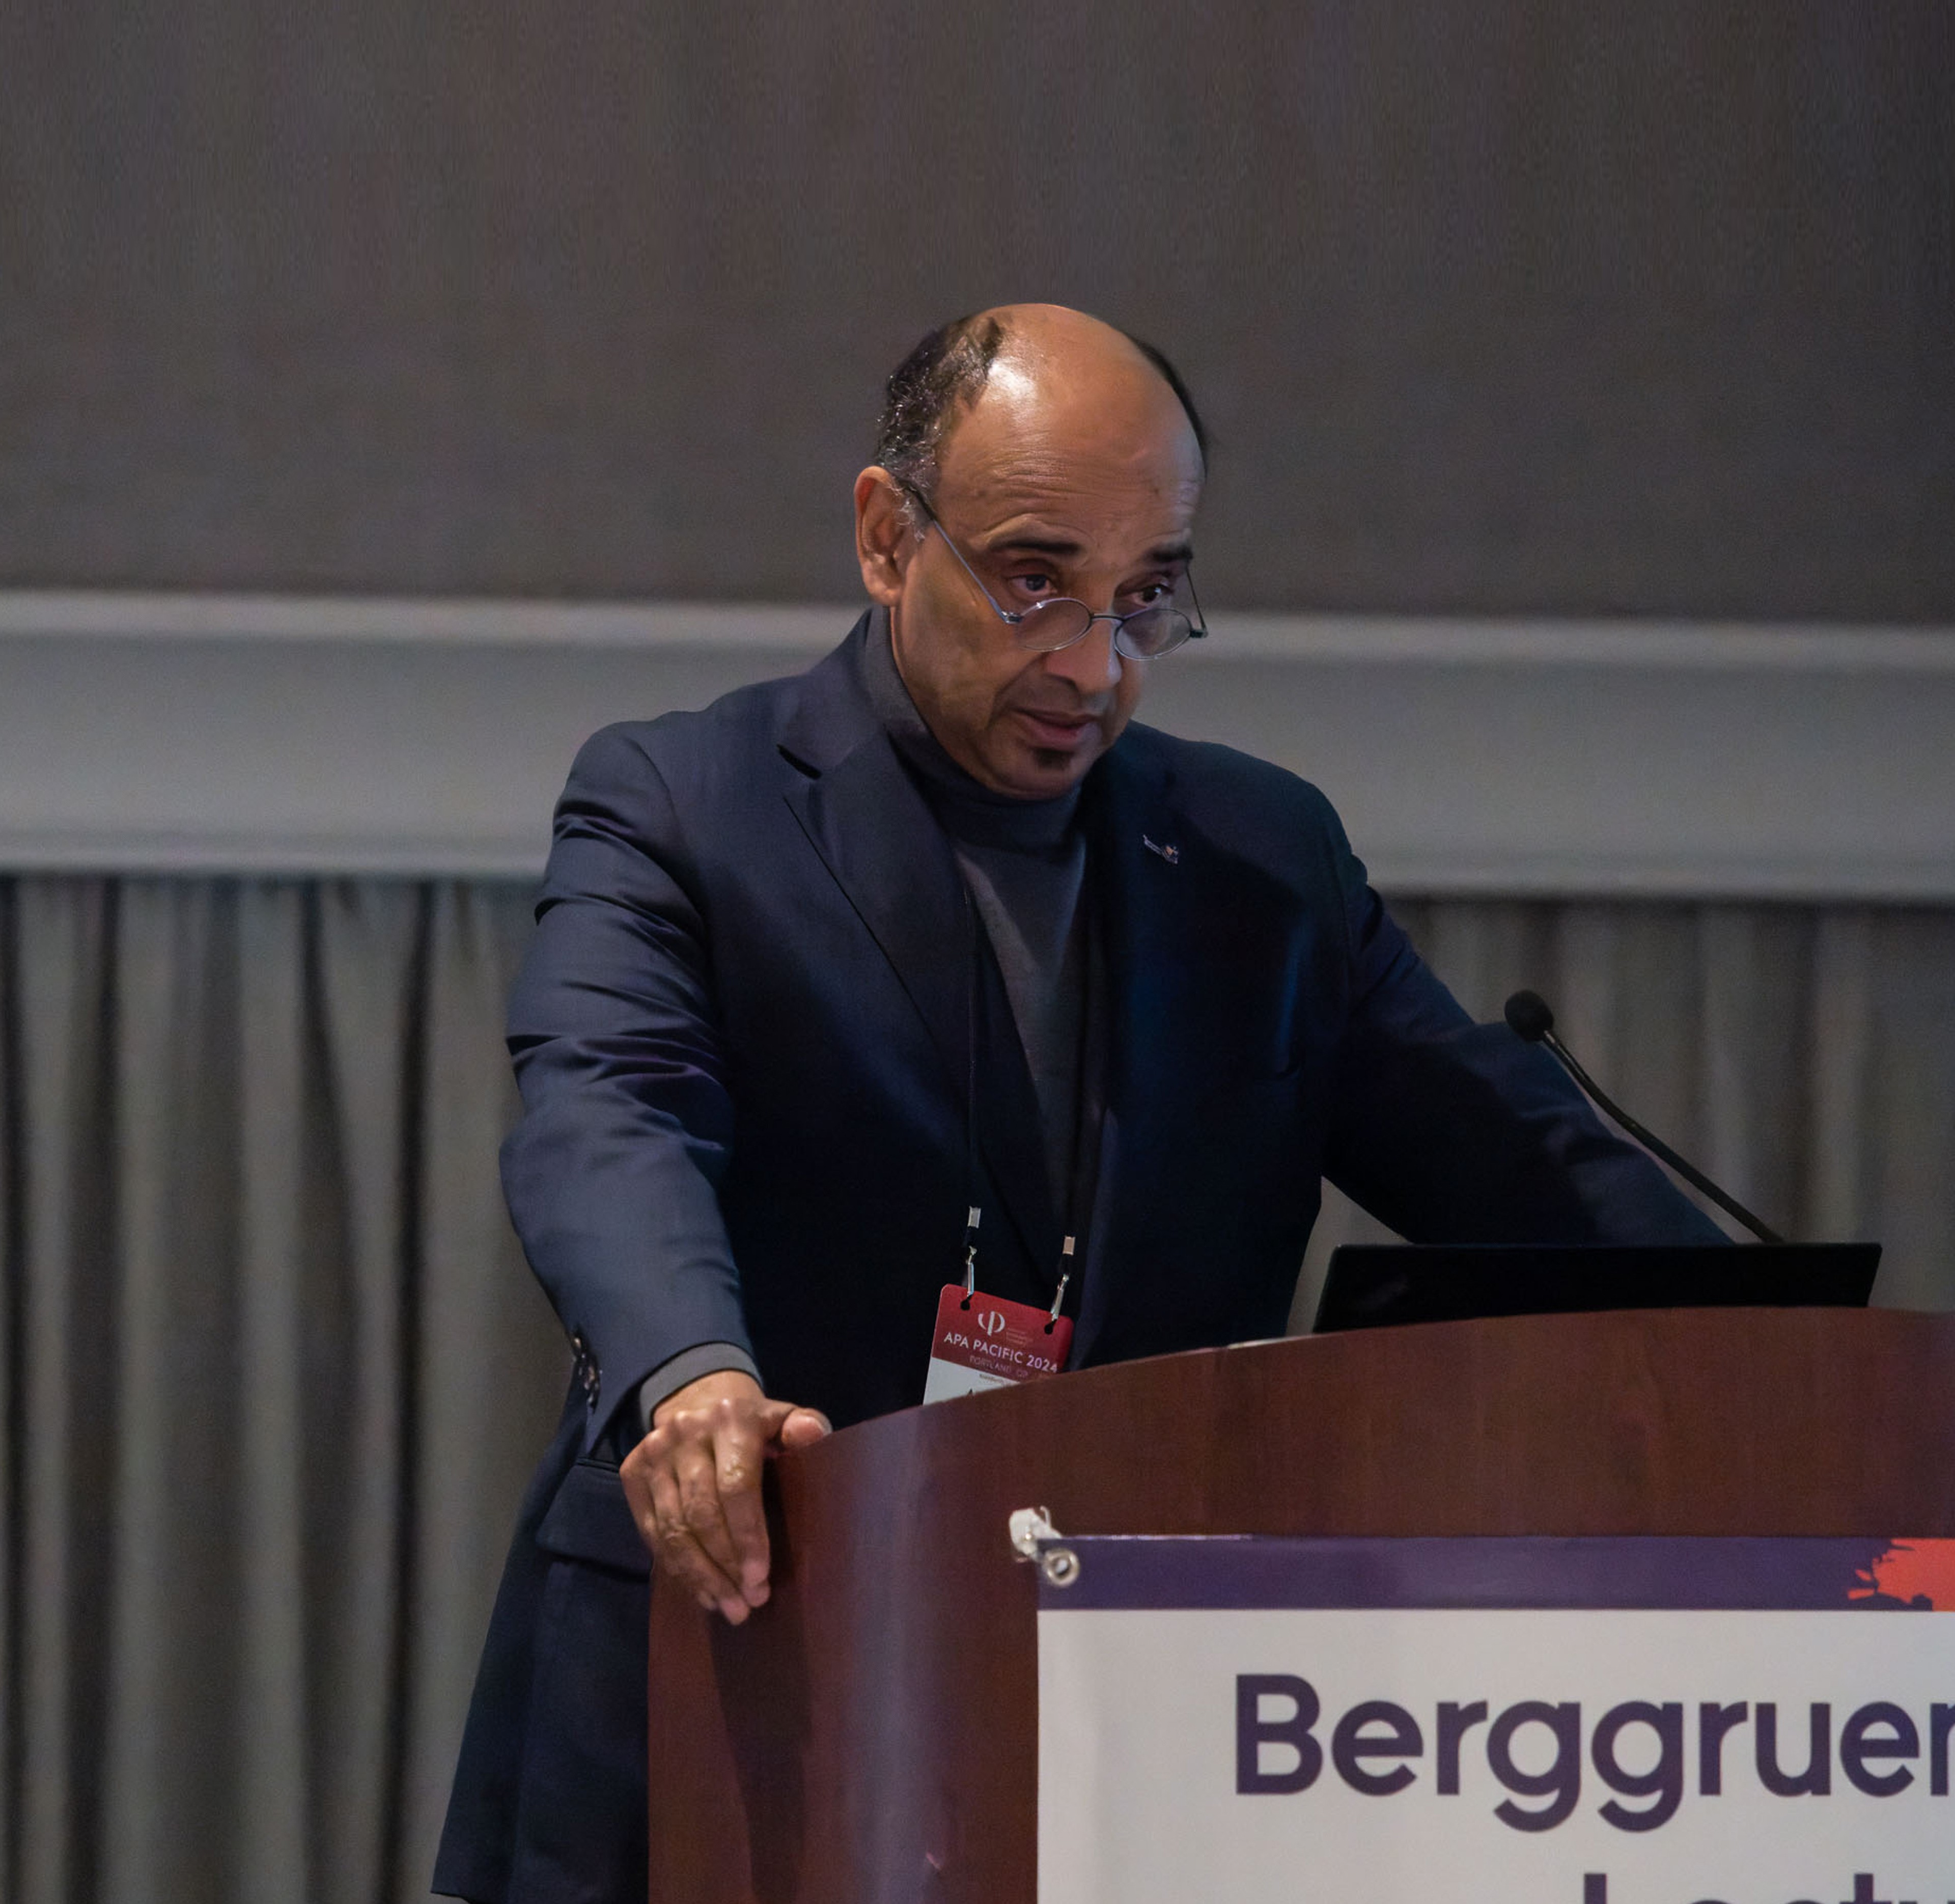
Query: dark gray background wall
point(1539, 304)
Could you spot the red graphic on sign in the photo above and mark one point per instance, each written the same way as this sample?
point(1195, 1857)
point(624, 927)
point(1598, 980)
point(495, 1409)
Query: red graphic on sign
point(1914, 1572)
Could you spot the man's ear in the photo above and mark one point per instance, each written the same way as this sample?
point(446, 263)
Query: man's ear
point(884, 540)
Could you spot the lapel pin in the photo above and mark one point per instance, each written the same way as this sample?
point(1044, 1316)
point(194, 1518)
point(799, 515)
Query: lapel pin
point(1171, 853)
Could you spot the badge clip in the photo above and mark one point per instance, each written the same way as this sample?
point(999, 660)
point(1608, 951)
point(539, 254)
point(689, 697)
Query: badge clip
point(972, 1218)
point(1065, 1277)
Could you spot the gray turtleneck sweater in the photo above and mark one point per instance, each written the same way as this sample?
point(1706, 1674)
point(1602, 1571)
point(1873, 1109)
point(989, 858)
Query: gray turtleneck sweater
point(1025, 863)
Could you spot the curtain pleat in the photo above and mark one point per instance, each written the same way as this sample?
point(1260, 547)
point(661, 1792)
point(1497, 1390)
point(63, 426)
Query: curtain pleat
point(63, 1302)
point(273, 1372)
point(489, 1367)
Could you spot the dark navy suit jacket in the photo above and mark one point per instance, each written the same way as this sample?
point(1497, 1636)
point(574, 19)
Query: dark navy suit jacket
point(743, 1040)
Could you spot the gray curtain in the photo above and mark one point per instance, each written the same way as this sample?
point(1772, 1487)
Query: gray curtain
point(274, 1372)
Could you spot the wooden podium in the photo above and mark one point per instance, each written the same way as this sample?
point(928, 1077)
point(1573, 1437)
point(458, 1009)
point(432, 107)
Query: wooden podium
point(872, 1734)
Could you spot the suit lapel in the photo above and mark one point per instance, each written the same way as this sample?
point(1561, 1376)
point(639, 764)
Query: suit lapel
point(1160, 1013)
point(863, 815)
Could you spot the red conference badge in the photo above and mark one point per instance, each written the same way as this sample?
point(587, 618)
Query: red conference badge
point(984, 1342)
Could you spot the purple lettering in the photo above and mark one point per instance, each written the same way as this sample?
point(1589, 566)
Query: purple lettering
point(1455, 1722)
point(1713, 1722)
point(1664, 1781)
point(1253, 1732)
point(1858, 1745)
point(1351, 1746)
point(1560, 1783)
point(1817, 1779)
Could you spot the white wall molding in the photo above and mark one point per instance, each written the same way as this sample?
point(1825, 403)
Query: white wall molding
point(182, 733)
point(418, 621)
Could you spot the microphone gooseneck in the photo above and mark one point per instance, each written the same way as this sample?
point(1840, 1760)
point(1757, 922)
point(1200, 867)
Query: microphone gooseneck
point(1528, 1017)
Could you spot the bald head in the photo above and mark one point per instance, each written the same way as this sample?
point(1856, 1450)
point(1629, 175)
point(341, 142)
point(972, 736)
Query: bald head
point(1029, 456)
point(1048, 345)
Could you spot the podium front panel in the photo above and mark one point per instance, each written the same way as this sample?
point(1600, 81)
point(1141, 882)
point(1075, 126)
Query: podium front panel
point(872, 1733)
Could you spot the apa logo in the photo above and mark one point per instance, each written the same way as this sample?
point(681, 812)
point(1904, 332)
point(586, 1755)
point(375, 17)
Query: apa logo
point(991, 1322)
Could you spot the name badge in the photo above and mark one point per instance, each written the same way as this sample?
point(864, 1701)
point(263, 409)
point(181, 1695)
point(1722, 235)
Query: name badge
point(984, 1342)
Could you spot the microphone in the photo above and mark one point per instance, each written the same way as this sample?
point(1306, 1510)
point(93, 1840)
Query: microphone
point(1528, 1017)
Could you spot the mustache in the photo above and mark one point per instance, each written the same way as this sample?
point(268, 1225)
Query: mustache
point(1074, 707)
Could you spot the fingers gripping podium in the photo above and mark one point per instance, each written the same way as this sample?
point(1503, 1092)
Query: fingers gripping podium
point(872, 1733)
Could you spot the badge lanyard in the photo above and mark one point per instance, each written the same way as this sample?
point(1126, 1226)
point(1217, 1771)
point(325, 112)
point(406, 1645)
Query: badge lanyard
point(982, 1341)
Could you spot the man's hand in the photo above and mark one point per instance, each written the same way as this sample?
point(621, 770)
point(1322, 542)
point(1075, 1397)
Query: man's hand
point(694, 1485)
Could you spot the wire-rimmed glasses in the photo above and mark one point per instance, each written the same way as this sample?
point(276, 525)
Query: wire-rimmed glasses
point(1047, 627)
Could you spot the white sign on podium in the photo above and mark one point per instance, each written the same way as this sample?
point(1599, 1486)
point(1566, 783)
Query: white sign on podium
point(1481, 1721)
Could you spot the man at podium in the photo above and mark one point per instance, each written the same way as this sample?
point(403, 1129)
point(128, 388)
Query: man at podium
point(930, 949)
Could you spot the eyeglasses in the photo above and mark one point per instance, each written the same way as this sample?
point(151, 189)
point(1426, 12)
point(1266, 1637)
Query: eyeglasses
point(1047, 627)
